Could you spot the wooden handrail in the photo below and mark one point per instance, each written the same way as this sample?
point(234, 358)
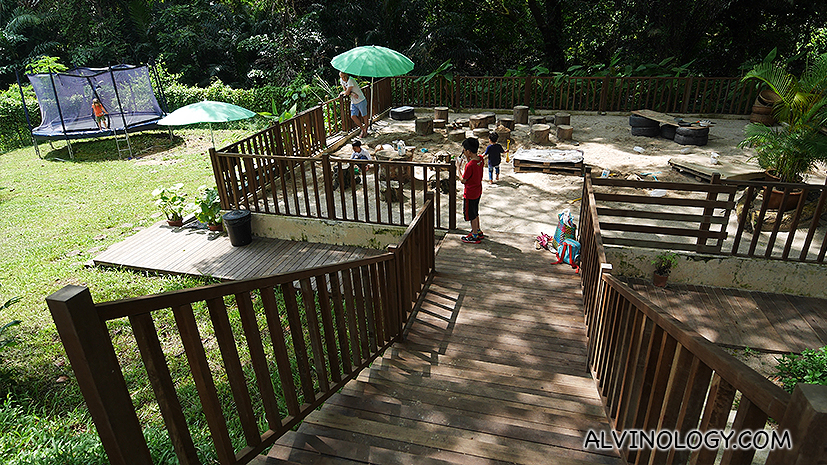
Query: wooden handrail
point(340, 317)
point(305, 187)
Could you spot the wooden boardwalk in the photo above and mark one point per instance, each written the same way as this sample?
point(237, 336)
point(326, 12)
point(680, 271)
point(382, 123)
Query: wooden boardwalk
point(198, 252)
point(738, 318)
point(493, 371)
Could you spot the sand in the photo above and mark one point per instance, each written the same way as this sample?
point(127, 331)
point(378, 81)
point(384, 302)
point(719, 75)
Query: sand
point(529, 202)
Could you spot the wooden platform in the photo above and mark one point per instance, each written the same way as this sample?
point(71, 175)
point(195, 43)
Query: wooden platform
point(493, 372)
point(737, 318)
point(523, 166)
point(198, 252)
point(699, 166)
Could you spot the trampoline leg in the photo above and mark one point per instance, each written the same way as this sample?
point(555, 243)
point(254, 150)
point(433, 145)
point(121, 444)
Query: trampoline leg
point(36, 148)
point(71, 153)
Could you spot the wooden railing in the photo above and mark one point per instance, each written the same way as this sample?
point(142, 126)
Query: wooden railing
point(659, 221)
point(705, 225)
point(750, 238)
point(657, 375)
point(664, 94)
point(325, 187)
point(283, 344)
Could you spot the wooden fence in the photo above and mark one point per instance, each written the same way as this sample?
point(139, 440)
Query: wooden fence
point(286, 343)
point(325, 187)
point(664, 94)
point(656, 374)
point(707, 224)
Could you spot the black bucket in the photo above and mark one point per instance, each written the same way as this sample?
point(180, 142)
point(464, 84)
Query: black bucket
point(238, 226)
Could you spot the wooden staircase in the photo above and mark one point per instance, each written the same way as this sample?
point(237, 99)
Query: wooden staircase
point(493, 371)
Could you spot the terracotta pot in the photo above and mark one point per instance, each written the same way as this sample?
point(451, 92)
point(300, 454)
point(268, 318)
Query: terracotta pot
point(774, 202)
point(216, 227)
point(175, 223)
point(659, 280)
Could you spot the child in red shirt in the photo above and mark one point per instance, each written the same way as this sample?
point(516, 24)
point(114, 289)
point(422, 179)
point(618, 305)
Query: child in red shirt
point(472, 179)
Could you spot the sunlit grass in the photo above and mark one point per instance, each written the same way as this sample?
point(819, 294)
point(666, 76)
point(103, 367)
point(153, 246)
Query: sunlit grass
point(57, 213)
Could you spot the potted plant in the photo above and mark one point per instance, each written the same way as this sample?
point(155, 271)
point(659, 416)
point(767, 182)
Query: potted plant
point(663, 267)
point(172, 203)
point(789, 151)
point(209, 208)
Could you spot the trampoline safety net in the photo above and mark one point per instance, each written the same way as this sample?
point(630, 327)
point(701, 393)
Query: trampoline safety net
point(66, 106)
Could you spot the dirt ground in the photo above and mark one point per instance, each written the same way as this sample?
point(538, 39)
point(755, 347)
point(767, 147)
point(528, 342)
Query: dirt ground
point(529, 202)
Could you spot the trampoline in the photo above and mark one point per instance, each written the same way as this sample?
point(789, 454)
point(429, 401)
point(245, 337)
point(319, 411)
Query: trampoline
point(65, 101)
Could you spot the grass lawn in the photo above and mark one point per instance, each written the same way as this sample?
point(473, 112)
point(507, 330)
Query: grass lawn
point(56, 215)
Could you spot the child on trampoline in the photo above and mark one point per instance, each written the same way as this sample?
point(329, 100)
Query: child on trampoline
point(101, 115)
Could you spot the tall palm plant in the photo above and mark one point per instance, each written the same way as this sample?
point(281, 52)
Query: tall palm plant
point(796, 146)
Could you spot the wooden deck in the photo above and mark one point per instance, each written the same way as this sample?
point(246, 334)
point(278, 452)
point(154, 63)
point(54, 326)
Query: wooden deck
point(198, 252)
point(738, 318)
point(493, 371)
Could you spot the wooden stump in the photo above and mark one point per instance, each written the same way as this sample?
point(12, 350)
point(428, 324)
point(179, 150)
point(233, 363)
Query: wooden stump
point(504, 134)
point(462, 122)
point(492, 117)
point(389, 192)
point(457, 135)
point(536, 119)
point(478, 121)
point(539, 133)
point(441, 113)
point(521, 114)
point(481, 133)
point(424, 126)
point(507, 122)
point(562, 119)
point(564, 132)
point(439, 123)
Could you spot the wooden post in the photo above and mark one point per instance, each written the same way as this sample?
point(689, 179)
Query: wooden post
point(539, 133)
point(441, 113)
point(806, 421)
point(328, 186)
point(528, 94)
point(507, 122)
point(604, 94)
point(521, 114)
point(561, 119)
point(686, 92)
point(564, 132)
point(706, 221)
point(478, 121)
point(457, 135)
point(424, 126)
point(223, 197)
point(536, 119)
point(90, 351)
point(452, 196)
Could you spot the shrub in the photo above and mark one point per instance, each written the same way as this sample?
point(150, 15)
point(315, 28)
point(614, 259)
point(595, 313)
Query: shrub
point(14, 132)
point(810, 367)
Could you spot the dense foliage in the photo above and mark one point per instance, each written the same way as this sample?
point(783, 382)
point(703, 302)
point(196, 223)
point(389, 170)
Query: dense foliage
point(247, 43)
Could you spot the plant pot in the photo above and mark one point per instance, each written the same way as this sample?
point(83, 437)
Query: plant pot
point(175, 223)
point(774, 202)
point(216, 227)
point(659, 280)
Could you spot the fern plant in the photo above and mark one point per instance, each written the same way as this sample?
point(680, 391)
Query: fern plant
point(795, 147)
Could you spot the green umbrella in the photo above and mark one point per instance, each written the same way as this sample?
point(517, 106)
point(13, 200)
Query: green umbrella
point(207, 111)
point(372, 61)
